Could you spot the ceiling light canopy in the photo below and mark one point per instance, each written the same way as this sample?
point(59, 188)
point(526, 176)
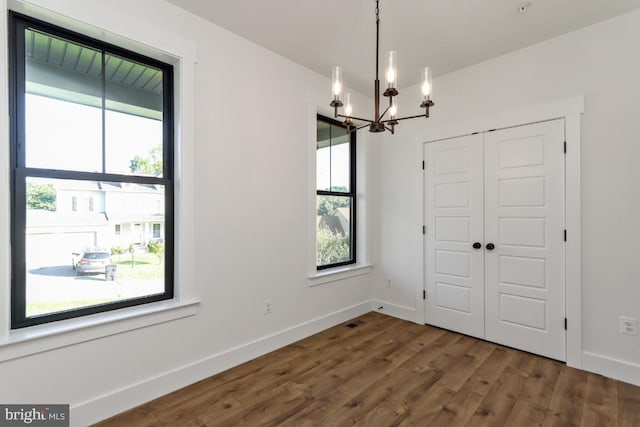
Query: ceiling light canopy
point(379, 123)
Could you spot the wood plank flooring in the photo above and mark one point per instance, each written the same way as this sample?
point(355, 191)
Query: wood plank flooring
point(388, 372)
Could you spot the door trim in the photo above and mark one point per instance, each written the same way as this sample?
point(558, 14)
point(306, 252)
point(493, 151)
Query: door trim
point(569, 109)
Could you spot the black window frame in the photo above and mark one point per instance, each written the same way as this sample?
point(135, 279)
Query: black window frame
point(352, 194)
point(18, 23)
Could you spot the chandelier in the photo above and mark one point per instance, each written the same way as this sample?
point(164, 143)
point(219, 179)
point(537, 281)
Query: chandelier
point(379, 123)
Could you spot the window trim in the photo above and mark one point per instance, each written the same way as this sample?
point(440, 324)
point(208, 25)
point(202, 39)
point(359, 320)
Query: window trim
point(19, 172)
point(352, 194)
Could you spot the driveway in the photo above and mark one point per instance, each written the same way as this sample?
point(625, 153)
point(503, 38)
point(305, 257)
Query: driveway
point(59, 283)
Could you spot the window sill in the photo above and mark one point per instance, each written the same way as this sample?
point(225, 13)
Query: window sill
point(38, 339)
point(338, 273)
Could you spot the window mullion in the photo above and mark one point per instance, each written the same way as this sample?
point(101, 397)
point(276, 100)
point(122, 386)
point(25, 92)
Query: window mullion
point(104, 109)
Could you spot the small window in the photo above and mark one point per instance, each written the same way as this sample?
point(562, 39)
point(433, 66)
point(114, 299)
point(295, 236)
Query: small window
point(91, 134)
point(335, 194)
point(156, 231)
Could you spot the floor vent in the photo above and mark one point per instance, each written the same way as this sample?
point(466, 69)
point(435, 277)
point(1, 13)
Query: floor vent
point(354, 324)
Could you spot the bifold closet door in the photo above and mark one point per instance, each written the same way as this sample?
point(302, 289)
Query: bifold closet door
point(454, 221)
point(524, 220)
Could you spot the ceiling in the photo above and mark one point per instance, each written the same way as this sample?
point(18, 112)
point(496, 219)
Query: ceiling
point(444, 34)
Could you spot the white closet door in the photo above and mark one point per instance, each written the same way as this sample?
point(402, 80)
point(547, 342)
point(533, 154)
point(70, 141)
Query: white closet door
point(454, 270)
point(524, 219)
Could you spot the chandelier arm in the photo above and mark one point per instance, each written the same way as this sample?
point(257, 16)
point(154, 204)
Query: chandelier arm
point(405, 118)
point(355, 118)
point(351, 129)
point(385, 112)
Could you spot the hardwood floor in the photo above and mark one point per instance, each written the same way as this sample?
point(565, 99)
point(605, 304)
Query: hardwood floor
point(388, 372)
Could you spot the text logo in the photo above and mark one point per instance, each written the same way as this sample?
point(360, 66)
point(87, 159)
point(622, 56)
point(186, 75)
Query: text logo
point(34, 415)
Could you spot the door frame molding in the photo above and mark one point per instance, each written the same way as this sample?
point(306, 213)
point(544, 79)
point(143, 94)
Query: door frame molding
point(571, 110)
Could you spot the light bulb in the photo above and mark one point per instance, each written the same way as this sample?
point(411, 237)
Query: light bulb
point(348, 108)
point(392, 70)
point(391, 76)
point(337, 88)
point(336, 82)
point(426, 82)
point(393, 111)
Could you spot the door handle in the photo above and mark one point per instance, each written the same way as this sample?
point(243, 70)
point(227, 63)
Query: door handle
point(477, 245)
point(490, 246)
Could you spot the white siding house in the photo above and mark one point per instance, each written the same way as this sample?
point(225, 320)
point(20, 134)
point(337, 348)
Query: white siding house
point(93, 214)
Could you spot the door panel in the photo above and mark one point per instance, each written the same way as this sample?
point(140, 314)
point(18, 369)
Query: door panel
point(454, 220)
point(524, 218)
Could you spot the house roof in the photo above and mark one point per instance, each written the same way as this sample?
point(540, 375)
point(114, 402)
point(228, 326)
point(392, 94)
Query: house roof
point(42, 218)
point(77, 185)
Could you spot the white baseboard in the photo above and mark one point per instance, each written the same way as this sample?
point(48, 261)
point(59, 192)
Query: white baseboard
point(118, 401)
point(395, 310)
point(613, 368)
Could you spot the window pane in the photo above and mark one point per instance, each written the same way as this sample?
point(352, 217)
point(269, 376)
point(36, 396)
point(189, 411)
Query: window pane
point(63, 117)
point(72, 253)
point(133, 120)
point(333, 239)
point(323, 156)
point(340, 167)
point(332, 158)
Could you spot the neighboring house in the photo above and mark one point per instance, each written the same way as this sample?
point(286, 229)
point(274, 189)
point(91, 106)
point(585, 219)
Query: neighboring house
point(94, 214)
point(136, 212)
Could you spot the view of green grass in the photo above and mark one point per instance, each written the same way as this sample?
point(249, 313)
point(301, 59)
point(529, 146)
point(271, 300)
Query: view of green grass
point(35, 309)
point(140, 266)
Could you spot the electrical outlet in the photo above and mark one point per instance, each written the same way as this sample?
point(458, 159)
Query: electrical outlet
point(267, 306)
point(628, 325)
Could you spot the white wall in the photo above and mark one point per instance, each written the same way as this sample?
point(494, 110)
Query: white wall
point(600, 62)
point(250, 198)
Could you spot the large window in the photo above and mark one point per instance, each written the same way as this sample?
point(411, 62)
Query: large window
point(92, 175)
point(335, 194)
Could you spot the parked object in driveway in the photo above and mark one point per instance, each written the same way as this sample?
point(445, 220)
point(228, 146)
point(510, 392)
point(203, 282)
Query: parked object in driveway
point(92, 261)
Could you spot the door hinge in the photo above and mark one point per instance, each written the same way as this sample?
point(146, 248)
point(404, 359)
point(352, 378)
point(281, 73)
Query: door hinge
point(424, 294)
point(565, 147)
point(423, 165)
point(424, 229)
point(565, 234)
point(565, 323)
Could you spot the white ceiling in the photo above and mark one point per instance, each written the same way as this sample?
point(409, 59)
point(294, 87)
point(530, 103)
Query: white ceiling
point(444, 34)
